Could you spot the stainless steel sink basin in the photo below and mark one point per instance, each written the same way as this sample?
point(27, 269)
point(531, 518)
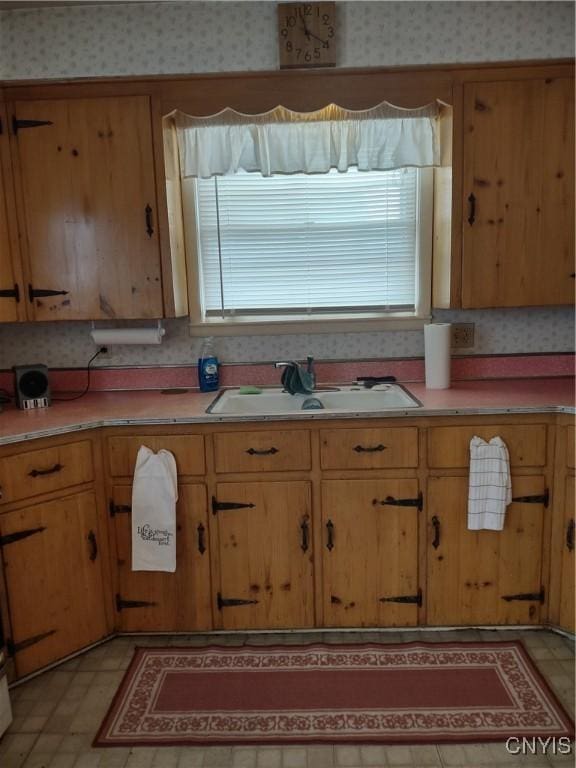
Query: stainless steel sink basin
point(351, 399)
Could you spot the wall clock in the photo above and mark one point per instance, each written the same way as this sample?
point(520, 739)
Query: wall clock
point(307, 34)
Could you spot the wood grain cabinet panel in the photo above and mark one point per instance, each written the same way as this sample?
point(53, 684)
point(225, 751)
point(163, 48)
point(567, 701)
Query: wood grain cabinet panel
point(266, 451)
point(31, 473)
point(567, 559)
point(369, 448)
point(165, 602)
point(518, 185)
point(88, 208)
point(484, 577)
point(450, 446)
point(188, 451)
point(265, 555)
point(570, 447)
point(11, 285)
point(54, 579)
point(369, 553)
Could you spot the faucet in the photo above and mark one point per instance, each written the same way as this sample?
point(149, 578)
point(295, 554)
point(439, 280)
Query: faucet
point(294, 379)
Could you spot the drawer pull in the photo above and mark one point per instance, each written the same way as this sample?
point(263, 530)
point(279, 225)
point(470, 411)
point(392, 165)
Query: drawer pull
point(263, 452)
point(436, 526)
point(330, 532)
point(570, 535)
point(304, 528)
point(471, 209)
point(93, 546)
point(370, 449)
point(201, 538)
point(42, 472)
point(530, 597)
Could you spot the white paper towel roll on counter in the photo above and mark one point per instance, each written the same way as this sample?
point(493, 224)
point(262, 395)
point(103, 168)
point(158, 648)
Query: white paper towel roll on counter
point(437, 342)
point(105, 337)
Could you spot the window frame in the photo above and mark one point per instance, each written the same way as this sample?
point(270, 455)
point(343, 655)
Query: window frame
point(318, 322)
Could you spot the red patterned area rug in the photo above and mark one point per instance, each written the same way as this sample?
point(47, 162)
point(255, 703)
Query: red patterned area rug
point(414, 693)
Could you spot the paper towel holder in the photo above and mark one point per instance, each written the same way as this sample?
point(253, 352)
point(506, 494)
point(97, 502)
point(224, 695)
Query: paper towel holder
point(104, 337)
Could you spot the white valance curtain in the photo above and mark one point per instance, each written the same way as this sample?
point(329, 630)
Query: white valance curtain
point(282, 141)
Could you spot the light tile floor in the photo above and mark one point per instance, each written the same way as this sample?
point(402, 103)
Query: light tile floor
point(57, 714)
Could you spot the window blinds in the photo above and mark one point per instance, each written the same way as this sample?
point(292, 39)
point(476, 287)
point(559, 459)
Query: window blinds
point(308, 243)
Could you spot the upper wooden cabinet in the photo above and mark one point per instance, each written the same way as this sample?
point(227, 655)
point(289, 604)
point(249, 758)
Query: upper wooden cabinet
point(518, 193)
point(11, 288)
point(88, 214)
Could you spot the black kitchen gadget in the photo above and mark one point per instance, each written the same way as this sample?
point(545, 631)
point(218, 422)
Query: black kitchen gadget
point(31, 386)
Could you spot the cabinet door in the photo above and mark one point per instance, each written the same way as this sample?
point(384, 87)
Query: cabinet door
point(567, 564)
point(518, 227)
point(89, 212)
point(11, 293)
point(483, 577)
point(265, 555)
point(369, 553)
point(165, 602)
point(54, 579)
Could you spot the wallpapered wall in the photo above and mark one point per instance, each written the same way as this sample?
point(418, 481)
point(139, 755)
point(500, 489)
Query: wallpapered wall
point(160, 38)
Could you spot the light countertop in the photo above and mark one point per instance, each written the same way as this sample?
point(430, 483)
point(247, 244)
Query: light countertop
point(106, 409)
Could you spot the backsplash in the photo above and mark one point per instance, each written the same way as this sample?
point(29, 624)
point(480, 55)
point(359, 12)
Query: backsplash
point(511, 331)
point(175, 37)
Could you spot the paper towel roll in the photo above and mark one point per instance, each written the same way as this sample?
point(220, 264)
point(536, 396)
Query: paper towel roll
point(437, 341)
point(106, 337)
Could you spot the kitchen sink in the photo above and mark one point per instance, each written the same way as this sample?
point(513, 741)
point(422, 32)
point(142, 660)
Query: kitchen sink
point(271, 401)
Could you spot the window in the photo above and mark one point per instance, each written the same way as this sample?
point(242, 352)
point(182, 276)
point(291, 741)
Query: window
point(351, 246)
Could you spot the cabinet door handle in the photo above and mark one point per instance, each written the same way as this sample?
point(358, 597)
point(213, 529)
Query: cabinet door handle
point(50, 471)
point(93, 545)
point(570, 535)
point(330, 532)
point(149, 227)
point(263, 452)
point(370, 448)
point(471, 209)
point(304, 528)
point(436, 526)
point(201, 539)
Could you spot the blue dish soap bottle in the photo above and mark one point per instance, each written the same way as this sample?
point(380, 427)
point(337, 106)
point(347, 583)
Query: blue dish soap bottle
point(208, 367)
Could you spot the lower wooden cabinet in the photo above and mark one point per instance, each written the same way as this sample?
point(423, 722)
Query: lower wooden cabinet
point(265, 555)
point(567, 560)
point(165, 602)
point(484, 577)
point(370, 553)
point(54, 579)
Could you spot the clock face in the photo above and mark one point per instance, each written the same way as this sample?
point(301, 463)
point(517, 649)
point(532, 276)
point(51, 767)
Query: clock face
point(307, 34)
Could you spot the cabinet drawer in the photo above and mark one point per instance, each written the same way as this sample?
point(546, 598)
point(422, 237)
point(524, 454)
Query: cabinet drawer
point(450, 446)
point(262, 451)
point(188, 451)
point(34, 472)
point(369, 448)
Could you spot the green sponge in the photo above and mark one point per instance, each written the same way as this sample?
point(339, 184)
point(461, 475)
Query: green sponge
point(249, 390)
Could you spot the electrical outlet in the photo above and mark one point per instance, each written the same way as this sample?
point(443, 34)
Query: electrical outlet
point(104, 353)
point(462, 335)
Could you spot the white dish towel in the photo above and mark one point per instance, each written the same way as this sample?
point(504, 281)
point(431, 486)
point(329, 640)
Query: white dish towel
point(154, 497)
point(490, 489)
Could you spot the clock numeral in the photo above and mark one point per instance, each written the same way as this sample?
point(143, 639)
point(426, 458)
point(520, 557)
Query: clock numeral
point(290, 21)
point(325, 19)
point(330, 31)
point(305, 10)
point(326, 45)
point(316, 53)
point(298, 52)
point(289, 46)
point(284, 32)
point(307, 56)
